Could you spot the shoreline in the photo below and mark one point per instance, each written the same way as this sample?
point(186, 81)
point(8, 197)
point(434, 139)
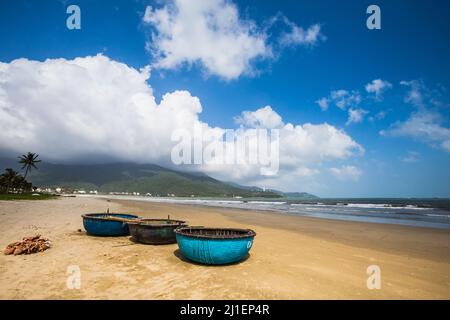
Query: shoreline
point(359, 217)
point(292, 257)
point(312, 226)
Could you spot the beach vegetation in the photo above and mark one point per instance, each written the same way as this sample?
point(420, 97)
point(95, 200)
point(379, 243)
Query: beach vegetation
point(12, 182)
point(27, 196)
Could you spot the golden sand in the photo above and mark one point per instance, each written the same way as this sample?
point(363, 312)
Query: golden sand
point(292, 257)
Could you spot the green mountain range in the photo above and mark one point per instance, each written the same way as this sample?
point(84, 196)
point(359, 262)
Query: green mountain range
point(142, 178)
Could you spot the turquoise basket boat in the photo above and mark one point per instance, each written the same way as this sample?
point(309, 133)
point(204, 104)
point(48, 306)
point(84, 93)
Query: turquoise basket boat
point(107, 224)
point(214, 245)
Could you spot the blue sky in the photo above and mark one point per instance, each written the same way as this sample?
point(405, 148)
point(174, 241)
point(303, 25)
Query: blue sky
point(406, 142)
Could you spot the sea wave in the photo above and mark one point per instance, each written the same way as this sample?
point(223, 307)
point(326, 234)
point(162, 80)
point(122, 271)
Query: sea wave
point(362, 205)
point(383, 212)
point(267, 202)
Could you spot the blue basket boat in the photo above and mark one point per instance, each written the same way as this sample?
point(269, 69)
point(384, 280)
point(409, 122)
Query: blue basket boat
point(107, 224)
point(214, 245)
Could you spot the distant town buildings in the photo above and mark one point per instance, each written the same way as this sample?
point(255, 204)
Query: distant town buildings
point(62, 190)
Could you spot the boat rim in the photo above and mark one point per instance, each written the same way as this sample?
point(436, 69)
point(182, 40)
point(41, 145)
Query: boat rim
point(244, 233)
point(173, 223)
point(95, 216)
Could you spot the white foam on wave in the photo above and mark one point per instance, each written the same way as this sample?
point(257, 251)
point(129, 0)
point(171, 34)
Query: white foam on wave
point(437, 215)
point(312, 205)
point(267, 202)
point(166, 200)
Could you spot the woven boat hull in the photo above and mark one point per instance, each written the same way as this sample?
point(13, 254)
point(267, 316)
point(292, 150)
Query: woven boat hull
point(155, 233)
point(214, 251)
point(95, 224)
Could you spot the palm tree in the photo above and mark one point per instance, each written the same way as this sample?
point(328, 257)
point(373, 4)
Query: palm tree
point(28, 161)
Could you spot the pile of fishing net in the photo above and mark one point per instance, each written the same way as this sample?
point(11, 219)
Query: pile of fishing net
point(28, 245)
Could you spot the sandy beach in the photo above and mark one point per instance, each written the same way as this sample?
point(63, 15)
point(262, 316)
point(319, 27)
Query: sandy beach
point(292, 257)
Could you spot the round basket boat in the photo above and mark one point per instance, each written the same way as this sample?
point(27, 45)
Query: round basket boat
point(107, 224)
point(215, 245)
point(155, 231)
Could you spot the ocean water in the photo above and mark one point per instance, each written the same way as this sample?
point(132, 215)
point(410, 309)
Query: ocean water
point(432, 213)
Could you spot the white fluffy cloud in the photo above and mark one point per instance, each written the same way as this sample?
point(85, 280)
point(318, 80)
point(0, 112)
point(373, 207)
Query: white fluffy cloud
point(424, 124)
point(356, 115)
point(309, 143)
point(298, 35)
point(94, 105)
point(377, 87)
point(345, 173)
point(345, 100)
point(212, 34)
point(341, 99)
point(323, 103)
point(97, 108)
point(261, 118)
point(209, 32)
point(350, 100)
point(414, 95)
point(302, 147)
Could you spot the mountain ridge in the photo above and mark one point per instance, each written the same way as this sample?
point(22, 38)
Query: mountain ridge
point(132, 177)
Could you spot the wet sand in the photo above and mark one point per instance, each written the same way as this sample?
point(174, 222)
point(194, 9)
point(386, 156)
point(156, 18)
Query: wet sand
point(292, 257)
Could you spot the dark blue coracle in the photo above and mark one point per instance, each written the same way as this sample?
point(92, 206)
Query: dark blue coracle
point(155, 231)
point(214, 245)
point(107, 224)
